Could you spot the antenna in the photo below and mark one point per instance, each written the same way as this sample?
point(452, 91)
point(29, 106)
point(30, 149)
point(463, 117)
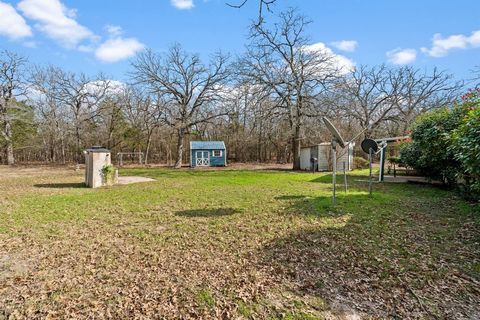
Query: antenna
point(336, 135)
point(336, 138)
point(368, 144)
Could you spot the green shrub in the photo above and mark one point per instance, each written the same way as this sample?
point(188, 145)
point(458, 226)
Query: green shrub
point(394, 160)
point(466, 146)
point(108, 174)
point(360, 163)
point(430, 153)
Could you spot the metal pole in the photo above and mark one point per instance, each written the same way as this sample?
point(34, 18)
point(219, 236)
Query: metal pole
point(334, 173)
point(370, 172)
point(382, 165)
point(345, 177)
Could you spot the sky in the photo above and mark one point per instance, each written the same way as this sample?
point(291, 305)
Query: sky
point(104, 35)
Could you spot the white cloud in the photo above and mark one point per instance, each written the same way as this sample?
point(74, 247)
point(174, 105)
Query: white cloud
point(12, 25)
point(113, 30)
point(182, 4)
point(341, 62)
point(345, 45)
point(441, 46)
point(56, 21)
point(402, 56)
point(108, 86)
point(59, 23)
point(117, 49)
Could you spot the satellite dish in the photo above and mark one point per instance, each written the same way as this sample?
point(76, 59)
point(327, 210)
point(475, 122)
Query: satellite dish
point(368, 144)
point(336, 135)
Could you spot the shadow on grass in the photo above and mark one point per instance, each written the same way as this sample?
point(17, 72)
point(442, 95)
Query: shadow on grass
point(290, 197)
point(363, 257)
point(60, 185)
point(352, 177)
point(321, 206)
point(214, 212)
point(325, 178)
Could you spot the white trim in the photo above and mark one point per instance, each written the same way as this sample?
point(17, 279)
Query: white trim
point(202, 161)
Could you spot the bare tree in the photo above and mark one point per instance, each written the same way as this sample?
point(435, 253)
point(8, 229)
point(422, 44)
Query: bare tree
point(476, 77)
point(189, 88)
point(262, 5)
point(12, 86)
point(51, 110)
point(82, 96)
point(144, 112)
point(367, 94)
point(420, 92)
point(288, 69)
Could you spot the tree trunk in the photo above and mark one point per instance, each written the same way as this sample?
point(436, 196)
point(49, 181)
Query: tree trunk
point(9, 143)
point(180, 136)
point(149, 142)
point(9, 151)
point(296, 148)
point(63, 150)
point(78, 138)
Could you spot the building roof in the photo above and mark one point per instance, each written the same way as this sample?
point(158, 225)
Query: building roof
point(327, 144)
point(97, 149)
point(207, 145)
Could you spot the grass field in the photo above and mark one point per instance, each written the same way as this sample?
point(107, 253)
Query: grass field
point(233, 244)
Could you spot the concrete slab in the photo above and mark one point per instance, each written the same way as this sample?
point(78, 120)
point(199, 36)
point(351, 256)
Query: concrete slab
point(407, 179)
point(133, 179)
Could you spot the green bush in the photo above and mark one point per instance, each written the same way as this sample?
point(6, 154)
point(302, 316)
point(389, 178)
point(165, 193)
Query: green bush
point(108, 174)
point(466, 146)
point(430, 152)
point(446, 144)
point(394, 160)
point(360, 163)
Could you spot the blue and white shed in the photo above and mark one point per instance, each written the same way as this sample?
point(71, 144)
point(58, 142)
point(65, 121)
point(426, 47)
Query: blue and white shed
point(208, 154)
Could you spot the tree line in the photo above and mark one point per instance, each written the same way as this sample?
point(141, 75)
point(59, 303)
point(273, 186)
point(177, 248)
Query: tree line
point(265, 104)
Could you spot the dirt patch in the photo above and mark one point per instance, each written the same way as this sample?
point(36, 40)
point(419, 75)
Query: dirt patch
point(133, 179)
point(33, 171)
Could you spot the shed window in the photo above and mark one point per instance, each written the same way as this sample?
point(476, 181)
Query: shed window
point(217, 153)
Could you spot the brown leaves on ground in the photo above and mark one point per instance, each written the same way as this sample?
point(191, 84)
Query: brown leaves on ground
point(287, 257)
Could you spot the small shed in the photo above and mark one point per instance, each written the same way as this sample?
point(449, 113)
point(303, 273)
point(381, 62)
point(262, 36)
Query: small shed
point(208, 154)
point(323, 153)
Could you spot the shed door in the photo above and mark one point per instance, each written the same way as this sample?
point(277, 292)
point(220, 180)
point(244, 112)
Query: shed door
point(203, 158)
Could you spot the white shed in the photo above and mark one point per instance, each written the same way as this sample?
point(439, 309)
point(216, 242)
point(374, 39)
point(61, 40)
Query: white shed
point(323, 152)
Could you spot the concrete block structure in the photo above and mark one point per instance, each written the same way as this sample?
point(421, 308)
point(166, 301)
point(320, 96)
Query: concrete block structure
point(95, 159)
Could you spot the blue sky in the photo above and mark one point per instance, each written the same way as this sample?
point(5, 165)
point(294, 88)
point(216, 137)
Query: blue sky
point(102, 35)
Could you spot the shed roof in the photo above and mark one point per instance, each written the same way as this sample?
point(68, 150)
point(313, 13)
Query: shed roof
point(326, 144)
point(207, 145)
point(97, 149)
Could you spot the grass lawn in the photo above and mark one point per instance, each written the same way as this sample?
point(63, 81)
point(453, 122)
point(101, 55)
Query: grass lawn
point(233, 244)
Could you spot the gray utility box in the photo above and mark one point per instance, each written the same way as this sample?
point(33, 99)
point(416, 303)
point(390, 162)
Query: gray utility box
point(95, 159)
